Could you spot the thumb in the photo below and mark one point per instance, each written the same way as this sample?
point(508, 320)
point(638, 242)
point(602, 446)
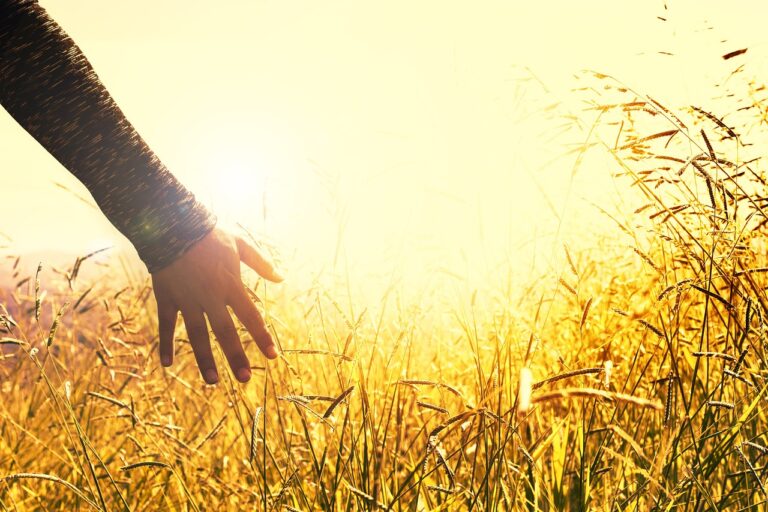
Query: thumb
point(255, 259)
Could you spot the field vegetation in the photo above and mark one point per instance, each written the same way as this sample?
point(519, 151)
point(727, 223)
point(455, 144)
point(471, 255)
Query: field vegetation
point(630, 375)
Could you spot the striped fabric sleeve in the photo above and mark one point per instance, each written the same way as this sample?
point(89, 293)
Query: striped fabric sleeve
point(48, 86)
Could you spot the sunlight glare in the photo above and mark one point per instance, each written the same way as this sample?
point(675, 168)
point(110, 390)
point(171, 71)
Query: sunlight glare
point(237, 189)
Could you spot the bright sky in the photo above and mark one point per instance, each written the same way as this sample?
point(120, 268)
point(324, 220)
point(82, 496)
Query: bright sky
point(404, 123)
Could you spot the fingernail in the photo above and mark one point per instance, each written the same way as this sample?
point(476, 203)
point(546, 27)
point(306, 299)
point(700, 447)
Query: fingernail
point(165, 360)
point(211, 376)
point(271, 352)
point(244, 374)
point(277, 276)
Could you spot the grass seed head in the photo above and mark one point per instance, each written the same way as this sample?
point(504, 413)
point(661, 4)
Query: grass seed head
point(525, 385)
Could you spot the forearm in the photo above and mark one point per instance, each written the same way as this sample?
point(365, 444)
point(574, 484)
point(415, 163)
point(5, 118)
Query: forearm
point(48, 86)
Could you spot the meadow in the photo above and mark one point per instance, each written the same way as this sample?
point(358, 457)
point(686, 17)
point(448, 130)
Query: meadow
point(630, 375)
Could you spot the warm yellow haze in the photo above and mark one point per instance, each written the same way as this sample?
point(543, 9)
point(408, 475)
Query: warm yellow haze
point(405, 128)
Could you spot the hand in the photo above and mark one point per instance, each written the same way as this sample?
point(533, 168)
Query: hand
point(203, 282)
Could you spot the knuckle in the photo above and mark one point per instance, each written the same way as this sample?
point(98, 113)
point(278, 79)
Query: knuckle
point(234, 280)
point(197, 332)
point(264, 339)
point(228, 335)
point(260, 326)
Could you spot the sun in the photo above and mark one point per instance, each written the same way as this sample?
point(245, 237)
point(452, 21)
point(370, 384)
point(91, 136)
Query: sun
point(237, 189)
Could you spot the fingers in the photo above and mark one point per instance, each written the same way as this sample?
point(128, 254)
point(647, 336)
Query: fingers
point(225, 331)
point(197, 330)
point(252, 257)
point(251, 318)
point(167, 313)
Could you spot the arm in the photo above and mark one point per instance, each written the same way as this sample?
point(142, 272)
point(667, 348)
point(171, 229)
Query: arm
point(51, 90)
point(48, 86)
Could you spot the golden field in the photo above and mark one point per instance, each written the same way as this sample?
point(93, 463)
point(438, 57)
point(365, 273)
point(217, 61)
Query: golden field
point(630, 374)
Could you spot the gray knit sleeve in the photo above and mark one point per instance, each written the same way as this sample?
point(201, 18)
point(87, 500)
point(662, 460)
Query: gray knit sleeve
point(49, 87)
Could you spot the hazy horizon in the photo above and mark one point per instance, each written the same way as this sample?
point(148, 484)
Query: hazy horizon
point(353, 142)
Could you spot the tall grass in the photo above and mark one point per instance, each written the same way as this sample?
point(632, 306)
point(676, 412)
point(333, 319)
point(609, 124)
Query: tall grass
point(630, 378)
